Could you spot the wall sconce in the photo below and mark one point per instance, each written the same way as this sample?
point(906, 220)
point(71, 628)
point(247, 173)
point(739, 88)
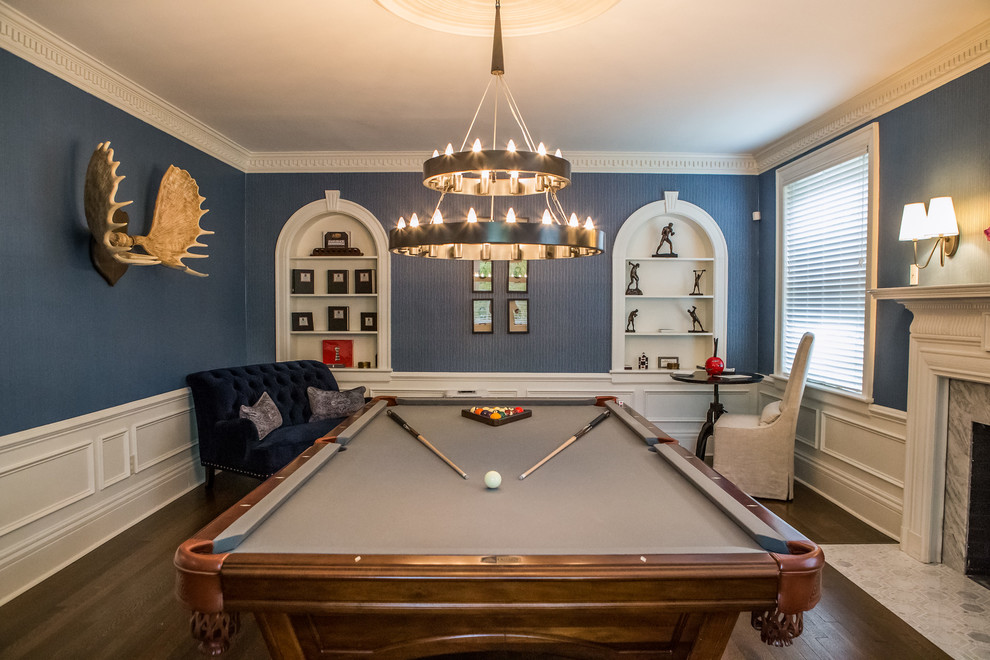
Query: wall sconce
point(939, 222)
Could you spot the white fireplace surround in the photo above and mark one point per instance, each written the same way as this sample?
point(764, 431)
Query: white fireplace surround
point(950, 339)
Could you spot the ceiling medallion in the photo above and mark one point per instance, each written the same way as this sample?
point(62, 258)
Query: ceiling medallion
point(473, 17)
point(498, 173)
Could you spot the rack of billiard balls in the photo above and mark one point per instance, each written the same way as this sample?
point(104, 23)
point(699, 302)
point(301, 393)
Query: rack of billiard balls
point(496, 415)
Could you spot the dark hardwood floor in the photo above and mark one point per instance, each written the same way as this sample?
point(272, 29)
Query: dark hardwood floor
point(117, 601)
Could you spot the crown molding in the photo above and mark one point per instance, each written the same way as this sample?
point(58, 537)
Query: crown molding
point(37, 45)
point(966, 53)
point(32, 42)
point(661, 163)
point(583, 161)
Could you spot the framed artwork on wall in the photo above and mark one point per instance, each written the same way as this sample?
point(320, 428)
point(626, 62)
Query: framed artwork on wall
point(518, 315)
point(481, 279)
point(481, 316)
point(518, 277)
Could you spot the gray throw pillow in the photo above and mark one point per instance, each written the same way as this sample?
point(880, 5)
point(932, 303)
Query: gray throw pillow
point(264, 414)
point(327, 404)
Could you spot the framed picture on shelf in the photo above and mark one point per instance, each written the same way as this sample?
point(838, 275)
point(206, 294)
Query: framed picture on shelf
point(481, 280)
point(364, 280)
point(518, 315)
point(481, 316)
point(302, 280)
point(668, 362)
point(338, 352)
point(369, 321)
point(337, 319)
point(336, 281)
point(302, 321)
point(336, 239)
point(518, 277)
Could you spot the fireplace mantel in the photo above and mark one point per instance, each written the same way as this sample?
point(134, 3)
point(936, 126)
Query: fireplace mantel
point(950, 339)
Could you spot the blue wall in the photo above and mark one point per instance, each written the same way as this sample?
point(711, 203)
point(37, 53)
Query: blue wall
point(69, 343)
point(938, 144)
point(570, 301)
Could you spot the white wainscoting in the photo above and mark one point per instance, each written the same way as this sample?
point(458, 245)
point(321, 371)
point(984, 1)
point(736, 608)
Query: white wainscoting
point(851, 452)
point(69, 486)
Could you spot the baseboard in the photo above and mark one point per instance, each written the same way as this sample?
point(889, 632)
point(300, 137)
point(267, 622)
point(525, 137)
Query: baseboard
point(874, 507)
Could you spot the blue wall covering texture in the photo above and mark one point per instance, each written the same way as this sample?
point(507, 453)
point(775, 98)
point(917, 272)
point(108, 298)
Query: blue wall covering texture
point(937, 144)
point(570, 301)
point(70, 344)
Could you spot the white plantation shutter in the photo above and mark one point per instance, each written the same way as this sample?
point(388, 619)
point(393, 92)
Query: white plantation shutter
point(824, 270)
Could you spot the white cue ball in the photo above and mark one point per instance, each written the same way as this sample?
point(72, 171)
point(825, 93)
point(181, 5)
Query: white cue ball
point(493, 479)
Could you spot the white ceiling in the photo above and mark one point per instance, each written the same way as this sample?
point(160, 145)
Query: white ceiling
point(672, 76)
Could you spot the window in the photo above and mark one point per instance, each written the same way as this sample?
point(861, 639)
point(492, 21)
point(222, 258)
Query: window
point(825, 261)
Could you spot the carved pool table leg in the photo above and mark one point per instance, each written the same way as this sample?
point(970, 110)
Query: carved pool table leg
point(214, 630)
point(777, 628)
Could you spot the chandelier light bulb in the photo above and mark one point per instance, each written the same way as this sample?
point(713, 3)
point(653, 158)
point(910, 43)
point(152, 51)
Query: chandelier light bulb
point(547, 220)
point(437, 218)
point(472, 216)
point(512, 146)
point(589, 224)
point(510, 216)
point(573, 222)
point(476, 147)
point(558, 154)
point(414, 221)
point(542, 150)
point(435, 153)
point(449, 151)
point(401, 224)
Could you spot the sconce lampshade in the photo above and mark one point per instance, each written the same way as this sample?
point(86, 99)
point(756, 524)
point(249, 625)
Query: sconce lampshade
point(941, 218)
point(913, 222)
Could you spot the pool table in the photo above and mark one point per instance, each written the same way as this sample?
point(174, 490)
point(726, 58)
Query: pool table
point(369, 544)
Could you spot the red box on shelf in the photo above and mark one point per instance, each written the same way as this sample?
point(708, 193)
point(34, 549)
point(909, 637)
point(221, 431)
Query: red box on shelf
point(338, 352)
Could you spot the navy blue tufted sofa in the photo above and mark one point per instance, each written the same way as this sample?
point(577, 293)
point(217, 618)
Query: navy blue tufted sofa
point(229, 442)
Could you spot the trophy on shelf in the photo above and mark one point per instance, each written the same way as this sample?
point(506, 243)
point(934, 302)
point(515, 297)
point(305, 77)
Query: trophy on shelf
point(697, 283)
point(631, 321)
point(665, 234)
point(695, 321)
point(633, 288)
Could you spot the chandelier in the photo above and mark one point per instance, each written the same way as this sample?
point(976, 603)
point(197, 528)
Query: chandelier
point(498, 174)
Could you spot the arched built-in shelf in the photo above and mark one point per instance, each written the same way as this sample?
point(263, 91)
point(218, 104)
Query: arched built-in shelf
point(663, 324)
point(304, 231)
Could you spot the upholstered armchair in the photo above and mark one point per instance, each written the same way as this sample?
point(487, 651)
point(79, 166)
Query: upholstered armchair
point(756, 452)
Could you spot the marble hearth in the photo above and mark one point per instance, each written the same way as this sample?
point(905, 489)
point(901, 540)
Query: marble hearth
point(950, 340)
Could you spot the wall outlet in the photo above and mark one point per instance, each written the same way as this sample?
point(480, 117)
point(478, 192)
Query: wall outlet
point(914, 274)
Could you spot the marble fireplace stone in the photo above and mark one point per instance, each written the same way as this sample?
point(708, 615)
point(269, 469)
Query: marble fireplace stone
point(968, 402)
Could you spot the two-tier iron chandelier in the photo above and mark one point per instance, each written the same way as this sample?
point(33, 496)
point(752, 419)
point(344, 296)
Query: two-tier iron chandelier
point(497, 173)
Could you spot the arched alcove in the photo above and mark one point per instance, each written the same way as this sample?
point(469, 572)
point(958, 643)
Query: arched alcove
point(302, 232)
point(663, 324)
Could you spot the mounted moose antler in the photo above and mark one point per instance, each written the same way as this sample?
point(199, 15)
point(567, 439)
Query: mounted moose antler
point(174, 226)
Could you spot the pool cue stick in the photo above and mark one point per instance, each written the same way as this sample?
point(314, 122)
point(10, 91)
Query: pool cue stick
point(414, 433)
point(592, 424)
